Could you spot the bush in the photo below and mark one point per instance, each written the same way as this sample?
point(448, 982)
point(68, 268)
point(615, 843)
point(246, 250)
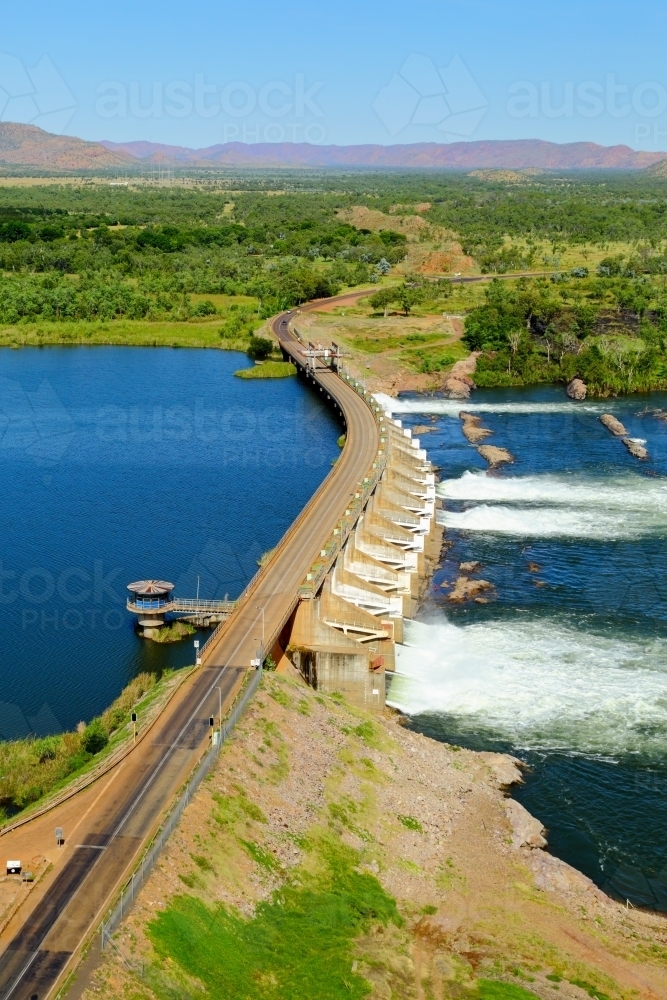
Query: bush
point(205, 308)
point(260, 348)
point(95, 737)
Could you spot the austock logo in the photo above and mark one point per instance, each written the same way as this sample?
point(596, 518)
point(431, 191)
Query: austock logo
point(421, 94)
point(37, 96)
point(34, 422)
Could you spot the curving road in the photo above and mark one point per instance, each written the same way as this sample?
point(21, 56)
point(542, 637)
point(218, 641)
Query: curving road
point(45, 939)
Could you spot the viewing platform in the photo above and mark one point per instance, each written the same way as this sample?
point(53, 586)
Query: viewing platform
point(151, 600)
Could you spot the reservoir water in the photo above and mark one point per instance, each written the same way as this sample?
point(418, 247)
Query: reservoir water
point(122, 463)
point(566, 665)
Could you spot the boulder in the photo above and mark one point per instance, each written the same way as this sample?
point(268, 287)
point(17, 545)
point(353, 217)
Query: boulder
point(577, 389)
point(507, 770)
point(469, 567)
point(464, 589)
point(613, 425)
point(457, 388)
point(458, 383)
point(635, 447)
point(526, 830)
point(472, 427)
point(495, 456)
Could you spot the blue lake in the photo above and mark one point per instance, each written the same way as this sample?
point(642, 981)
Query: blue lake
point(118, 464)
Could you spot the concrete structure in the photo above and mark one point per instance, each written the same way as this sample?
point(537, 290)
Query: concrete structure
point(151, 608)
point(369, 580)
point(149, 602)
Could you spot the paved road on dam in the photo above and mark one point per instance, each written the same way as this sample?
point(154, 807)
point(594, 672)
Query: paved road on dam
point(44, 939)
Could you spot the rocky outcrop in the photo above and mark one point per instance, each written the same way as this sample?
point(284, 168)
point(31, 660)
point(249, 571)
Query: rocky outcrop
point(472, 427)
point(469, 567)
point(458, 383)
point(505, 768)
point(613, 425)
point(577, 389)
point(635, 447)
point(526, 830)
point(495, 456)
point(464, 589)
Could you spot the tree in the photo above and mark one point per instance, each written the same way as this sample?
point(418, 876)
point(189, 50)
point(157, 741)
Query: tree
point(408, 297)
point(260, 348)
point(382, 299)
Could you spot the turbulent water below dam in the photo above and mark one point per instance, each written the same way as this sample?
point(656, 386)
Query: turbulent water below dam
point(566, 665)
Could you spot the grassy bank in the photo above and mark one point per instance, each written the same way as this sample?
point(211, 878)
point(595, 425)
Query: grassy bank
point(126, 333)
point(32, 769)
point(268, 369)
point(331, 854)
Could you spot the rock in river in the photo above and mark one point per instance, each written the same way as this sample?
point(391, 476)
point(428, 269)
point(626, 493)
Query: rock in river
point(613, 425)
point(472, 427)
point(635, 447)
point(464, 589)
point(495, 456)
point(577, 389)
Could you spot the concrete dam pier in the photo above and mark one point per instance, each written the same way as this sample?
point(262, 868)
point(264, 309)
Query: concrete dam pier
point(342, 636)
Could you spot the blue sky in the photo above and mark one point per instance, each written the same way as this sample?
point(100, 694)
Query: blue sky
point(348, 72)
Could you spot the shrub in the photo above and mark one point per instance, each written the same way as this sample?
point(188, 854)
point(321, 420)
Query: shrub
point(95, 737)
point(259, 348)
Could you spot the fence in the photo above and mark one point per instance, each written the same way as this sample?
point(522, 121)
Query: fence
point(139, 876)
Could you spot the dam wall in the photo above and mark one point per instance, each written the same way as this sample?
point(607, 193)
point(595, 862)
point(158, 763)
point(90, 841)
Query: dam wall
point(352, 606)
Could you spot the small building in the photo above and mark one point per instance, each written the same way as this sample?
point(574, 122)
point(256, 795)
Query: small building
point(150, 600)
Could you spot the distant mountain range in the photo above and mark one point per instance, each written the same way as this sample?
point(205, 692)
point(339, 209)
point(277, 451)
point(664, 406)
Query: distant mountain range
point(29, 146)
point(513, 154)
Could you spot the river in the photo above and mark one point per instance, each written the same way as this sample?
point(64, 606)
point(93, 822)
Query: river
point(118, 464)
point(566, 666)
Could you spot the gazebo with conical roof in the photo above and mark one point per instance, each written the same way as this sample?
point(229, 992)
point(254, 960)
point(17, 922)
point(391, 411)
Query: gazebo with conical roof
point(149, 600)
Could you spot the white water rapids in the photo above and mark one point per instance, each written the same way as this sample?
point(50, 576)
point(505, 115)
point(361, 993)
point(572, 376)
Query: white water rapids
point(452, 407)
point(537, 683)
point(544, 681)
point(626, 505)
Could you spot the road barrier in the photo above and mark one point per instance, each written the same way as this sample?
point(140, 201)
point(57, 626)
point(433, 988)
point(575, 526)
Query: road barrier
point(148, 861)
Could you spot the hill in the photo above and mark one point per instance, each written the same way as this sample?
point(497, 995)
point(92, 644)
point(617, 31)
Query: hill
point(513, 154)
point(658, 169)
point(29, 146)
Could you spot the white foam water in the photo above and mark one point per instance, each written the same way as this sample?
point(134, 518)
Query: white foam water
point(621, 506)
point(541, 522)
point(452, 407)
point(538, 683)
point(629, 491)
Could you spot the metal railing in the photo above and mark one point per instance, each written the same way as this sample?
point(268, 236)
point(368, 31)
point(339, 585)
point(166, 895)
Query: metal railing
point(147, 863)
point(189, 604)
